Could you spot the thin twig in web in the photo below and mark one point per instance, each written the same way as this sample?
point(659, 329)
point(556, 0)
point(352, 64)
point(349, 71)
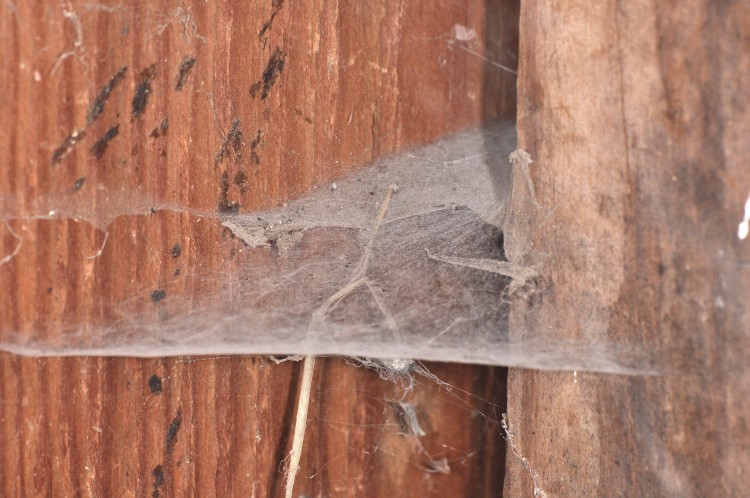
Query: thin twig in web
point(318, 317)
point(488, 61)
point(377, 294)
point(101, 248)
point(360, 277)
point(519, 274)
point(19, 243)
point(300, 423)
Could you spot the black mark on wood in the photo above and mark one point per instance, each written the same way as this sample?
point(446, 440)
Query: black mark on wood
point(79, 183)
point(176, 250)
point(154, 384)
point(233, 140)
point(160, 130)
point(187, 64)
point(225, 205)
point(276, 5)
point(266, 26)
point(158, 475)
point(100, 146)
point(241, 180)
point(143, 90)
point(254, 88)
point(301, 114)
point(273, 69)
point(158, 295)
point(97, 107)
point(172, 430)
point(66, 146)
point(661, 269)
point(254, 143)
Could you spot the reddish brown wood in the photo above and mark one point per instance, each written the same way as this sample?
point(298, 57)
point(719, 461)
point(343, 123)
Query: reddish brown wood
point(221, 427)
point(636, 116)
point(359, 80)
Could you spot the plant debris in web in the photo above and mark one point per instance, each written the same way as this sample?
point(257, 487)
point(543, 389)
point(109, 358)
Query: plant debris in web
point(404, 258)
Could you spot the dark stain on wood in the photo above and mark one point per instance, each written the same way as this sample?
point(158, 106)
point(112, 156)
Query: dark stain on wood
point(254, 88)
point(160, 130)
point(172, 431)
point(233, 141)
point(225, 205)
point(254, 144)
point(70, 141)
point(276, 5)
point(97, 107)
point(271, 73)
point(143, 90)
point(158, 295)
point(241, 180)
point(187, 64)
point(158, 475)
point(154, 384)
point(299, 113)
point(661, 269)
point(100, 146)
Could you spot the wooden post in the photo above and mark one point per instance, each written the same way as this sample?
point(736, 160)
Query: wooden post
point(126, 128)
point(636, 117)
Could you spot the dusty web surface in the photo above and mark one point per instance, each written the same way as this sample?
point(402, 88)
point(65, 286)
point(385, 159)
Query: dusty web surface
point(403, 258)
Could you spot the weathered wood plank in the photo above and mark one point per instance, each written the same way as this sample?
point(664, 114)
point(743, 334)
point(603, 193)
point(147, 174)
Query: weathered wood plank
point(221, 427)
point(636, 116)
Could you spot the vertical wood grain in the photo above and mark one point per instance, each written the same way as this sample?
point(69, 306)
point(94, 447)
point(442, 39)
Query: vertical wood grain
point(127, 128)
point(636, 117)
